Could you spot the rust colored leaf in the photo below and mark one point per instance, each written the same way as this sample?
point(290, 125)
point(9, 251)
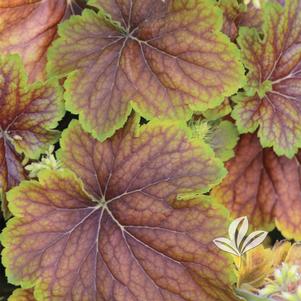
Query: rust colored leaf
point(264, 187)
point(271, 100)
point(236, 15)
point(113, 228)
point(28, 27)
point(162, 58)
point(27, 114)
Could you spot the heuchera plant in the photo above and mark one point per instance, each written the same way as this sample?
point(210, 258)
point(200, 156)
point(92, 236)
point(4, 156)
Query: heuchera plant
point(132, 132)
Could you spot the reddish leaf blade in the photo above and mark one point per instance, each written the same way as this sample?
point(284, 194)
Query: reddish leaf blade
point(236, 15)
point(264, 187)
point(129, 13)
point(129, 239)
point(11, 172)
point(272, 98)
point(16, 3)
point(159, 145)
point(28, 113)
point(28, 27)
point(162, 65)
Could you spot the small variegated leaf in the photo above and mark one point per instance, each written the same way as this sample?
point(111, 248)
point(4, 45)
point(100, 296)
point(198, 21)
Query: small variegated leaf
point(242, 231)
point(253, 240)
point(226, 245)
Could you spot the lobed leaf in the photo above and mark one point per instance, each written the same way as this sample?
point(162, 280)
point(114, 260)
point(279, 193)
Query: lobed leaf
point(27, 115)
point(237, 15)
point(111, 228)
point(271, 101)
point(28, 27)
point(162, 58)
point(264, 187)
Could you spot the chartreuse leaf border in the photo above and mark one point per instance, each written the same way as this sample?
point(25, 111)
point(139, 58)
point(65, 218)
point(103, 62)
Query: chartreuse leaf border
point(44, 176)
point(184, 110)
point(270, 104)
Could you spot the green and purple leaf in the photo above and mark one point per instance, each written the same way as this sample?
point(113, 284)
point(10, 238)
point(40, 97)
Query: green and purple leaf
point(27, 115)
point(271, 101)
point(237, 15)
point(264, 187)
point(110, 226)
point(28, 27)
point(162, 58)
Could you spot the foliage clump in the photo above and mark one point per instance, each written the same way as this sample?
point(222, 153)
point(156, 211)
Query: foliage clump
point(132, 132)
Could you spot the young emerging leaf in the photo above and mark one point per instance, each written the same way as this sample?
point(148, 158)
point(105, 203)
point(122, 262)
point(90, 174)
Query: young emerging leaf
point(271, 101)
point(27, 114)
point(28, 27)
point(164, 58)
point(218, 112)
point(264, 187)
point(21, 294)
point(112, 228)
point(222, 136)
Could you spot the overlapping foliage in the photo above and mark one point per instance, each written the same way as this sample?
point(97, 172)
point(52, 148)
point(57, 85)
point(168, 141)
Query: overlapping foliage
point(128, 205)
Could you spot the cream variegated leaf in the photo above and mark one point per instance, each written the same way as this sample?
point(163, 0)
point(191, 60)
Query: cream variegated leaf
point(253, 240)
point(226, 245)
point(238, 243)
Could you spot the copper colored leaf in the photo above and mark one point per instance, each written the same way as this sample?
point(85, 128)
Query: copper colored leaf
point(22, 295)
point(28, 27)
point(264, 187)
point(11, 172)
point(119, 233)
point(236, 15)
point(27, 114)
point(162, 58)
point(271, 101)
